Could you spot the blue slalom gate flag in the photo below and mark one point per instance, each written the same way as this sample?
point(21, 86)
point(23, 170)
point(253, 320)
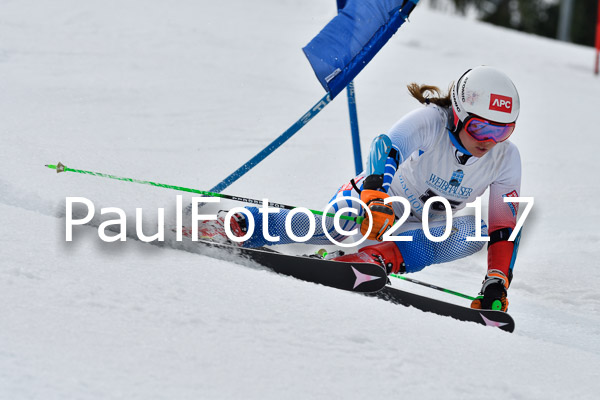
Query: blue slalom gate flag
point(337, 54)
point(350, 40)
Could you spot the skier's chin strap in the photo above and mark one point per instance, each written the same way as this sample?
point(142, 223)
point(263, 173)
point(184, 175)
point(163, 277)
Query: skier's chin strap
point(456, 142)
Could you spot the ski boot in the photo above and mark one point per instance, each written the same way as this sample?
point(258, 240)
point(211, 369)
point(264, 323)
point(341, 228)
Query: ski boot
point(493, 292)
point(214, 229)
point(385, 254)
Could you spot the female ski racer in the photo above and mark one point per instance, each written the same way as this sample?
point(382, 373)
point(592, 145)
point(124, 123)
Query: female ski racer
point(455, 147)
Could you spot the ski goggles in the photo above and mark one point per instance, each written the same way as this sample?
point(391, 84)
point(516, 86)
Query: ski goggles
point(483, 130)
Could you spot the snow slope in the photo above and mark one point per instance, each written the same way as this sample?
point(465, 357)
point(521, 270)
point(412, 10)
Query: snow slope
point(184, 93)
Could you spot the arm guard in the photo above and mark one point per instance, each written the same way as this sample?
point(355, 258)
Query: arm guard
point(383, 162)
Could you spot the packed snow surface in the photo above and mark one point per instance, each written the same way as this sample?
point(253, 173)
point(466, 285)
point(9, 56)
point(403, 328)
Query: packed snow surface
point(184, 93)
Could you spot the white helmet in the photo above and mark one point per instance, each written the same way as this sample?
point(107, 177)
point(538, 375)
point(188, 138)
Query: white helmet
point(487, 93)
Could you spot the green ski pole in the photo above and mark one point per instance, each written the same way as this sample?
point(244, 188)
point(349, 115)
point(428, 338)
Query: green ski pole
point(496, 305)
point(432, 286)
point(62, 168)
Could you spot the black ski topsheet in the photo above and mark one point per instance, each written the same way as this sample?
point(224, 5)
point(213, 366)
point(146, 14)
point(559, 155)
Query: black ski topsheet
point(369, 279)
point(355, 277)
point(493, 318)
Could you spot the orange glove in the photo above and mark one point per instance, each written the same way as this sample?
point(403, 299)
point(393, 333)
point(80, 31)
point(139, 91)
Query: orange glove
point(383, 214)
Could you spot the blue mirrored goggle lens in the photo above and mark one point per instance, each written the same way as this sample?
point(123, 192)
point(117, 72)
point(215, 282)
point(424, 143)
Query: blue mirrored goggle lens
point(483, 130)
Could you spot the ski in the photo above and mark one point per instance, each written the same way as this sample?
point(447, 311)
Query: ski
point(355, 277)
point(493, 318)
point(367, 278)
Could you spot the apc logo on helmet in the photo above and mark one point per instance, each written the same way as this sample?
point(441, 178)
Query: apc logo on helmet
point(501, 103)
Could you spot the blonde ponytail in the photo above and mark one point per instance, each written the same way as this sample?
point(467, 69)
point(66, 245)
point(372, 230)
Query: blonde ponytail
point(426, 94)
